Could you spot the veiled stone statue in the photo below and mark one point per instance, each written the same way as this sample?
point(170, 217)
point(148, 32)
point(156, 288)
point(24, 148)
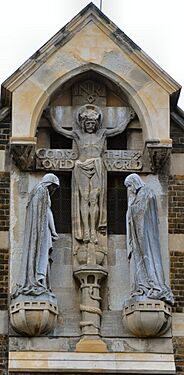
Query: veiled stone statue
point(89, 203)
point(143, 242)
point(39, 233)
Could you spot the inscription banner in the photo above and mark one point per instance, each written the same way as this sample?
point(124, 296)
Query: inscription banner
point(122, 160)
point(55, 159)
point(114, 160)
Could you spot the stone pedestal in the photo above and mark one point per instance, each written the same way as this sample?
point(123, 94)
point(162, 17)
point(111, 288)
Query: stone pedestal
point(33, 318)
point(148, 318)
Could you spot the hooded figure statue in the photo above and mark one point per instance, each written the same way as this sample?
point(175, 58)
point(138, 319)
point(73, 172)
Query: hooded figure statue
point(143, 243)
point(39, 233)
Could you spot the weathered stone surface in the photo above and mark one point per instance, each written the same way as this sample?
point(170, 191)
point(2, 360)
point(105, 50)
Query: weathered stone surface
point(111, 324)
point(104, 362)
point(2, 161)
point(3, 322)
point(127, 344)
point(118, 272)
point(177, 167)
point(176, 242)
point(178, 324)
point(4, 240)
point(148, 345)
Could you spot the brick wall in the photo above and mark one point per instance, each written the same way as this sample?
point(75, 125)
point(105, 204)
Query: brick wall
point(5, 127)
point(176, 204)
point(4, 253)
point(176, 226)
point(3, 355)
point(177, 279)
point(178, 343)
point(4, 135)
point(4, 200)
point(177, 136)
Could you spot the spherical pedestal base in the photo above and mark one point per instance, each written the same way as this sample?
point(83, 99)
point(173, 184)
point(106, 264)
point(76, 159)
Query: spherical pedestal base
point(33, 318)
point(148, 318)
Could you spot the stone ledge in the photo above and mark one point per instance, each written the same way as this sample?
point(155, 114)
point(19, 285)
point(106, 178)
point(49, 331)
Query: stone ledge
point(65, 344)
point(134, 363)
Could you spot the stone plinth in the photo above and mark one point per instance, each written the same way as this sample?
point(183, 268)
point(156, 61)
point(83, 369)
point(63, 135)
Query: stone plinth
point(147, 318)
point(33, 318)
point(117, 363)
point(88, 345)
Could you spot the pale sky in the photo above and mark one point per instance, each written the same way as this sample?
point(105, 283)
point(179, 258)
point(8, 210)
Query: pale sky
point(157, 27)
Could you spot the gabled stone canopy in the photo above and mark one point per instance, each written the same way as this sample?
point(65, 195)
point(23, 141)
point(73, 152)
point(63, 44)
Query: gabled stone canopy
point(90, 42)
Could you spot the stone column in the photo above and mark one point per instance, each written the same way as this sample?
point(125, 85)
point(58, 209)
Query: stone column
point(90, 299)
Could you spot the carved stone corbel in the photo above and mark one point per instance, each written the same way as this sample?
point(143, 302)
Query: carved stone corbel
point(158, 153)
point(149, 318)
point(23, 156)
point(33, 318)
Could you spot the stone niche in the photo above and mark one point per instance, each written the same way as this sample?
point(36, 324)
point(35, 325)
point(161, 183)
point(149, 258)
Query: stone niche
point(91, 275)
point(68, 273)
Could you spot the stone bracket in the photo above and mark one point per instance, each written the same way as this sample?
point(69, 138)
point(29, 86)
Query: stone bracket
point(23, 155)
point(158, 154)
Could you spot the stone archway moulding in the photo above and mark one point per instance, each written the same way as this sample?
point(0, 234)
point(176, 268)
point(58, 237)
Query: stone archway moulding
point(144, 101)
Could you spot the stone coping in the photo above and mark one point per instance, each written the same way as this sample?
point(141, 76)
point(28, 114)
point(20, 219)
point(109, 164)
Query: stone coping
point(139, 363)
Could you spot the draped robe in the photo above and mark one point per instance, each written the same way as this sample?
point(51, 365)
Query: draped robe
point(36, 245)
point(144, 246)
point(90, 167)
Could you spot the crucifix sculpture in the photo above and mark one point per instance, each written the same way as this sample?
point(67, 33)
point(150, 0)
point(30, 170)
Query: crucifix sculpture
point(89, 204)
point(89, 213)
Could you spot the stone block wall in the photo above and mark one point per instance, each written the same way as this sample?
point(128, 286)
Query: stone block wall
point(4, 242)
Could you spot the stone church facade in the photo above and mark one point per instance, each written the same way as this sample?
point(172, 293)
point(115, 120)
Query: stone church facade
point(91, 108)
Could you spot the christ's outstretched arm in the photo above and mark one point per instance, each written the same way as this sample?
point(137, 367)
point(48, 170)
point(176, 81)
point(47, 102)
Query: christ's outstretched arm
point(128, 116)
point(57, 126)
